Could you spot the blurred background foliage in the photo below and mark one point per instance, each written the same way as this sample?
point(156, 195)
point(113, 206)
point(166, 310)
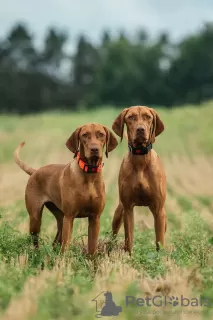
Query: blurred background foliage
point(119, 70)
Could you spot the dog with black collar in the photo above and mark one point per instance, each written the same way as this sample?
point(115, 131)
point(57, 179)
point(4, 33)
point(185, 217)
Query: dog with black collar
point(142, 179)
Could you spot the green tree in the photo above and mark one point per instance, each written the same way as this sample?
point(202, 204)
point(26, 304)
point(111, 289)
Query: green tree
point(21, 51)
point(84, 68)
point(130, 73)
point(54, 50)
point(191, 72)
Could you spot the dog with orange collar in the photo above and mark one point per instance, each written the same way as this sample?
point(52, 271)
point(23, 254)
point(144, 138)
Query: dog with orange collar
point(75, 190)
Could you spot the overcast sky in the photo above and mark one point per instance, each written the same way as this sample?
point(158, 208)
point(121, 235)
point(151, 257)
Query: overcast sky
point(92, 16)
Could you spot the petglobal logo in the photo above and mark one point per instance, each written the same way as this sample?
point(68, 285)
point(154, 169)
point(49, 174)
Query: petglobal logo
point(106, 306)
point(162, 301)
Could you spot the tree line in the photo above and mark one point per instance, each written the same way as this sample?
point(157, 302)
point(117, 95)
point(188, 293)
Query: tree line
point(119, 70)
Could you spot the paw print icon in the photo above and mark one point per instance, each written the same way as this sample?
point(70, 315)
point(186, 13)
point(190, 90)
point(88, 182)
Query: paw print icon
point(173, 301)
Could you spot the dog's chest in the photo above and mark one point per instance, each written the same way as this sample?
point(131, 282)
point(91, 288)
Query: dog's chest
point(141, 191)
point(89, 193)
point(91, 200)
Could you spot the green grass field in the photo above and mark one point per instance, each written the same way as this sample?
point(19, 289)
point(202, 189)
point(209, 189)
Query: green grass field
point(42, 285)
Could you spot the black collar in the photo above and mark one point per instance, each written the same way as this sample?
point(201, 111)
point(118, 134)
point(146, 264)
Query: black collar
point(140, 150)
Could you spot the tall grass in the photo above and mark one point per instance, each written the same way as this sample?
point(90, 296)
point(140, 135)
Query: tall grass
point(43, 284)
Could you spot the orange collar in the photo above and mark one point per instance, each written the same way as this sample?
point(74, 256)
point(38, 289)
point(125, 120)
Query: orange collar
point(88, 167)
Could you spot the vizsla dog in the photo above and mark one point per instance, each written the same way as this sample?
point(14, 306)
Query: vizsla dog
point(75, 190)
point(142, 180)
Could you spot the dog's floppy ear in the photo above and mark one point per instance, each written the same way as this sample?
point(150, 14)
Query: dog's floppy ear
point(73, 141)
point(158, 126)
point(111, 141)
point(118, 124)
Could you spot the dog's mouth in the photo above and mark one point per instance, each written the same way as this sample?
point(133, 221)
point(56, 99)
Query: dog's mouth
point(140, 142)
point(94, 160)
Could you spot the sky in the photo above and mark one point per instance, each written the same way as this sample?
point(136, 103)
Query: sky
point(92, 16)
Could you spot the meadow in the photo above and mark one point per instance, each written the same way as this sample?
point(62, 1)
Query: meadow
point(40, 285)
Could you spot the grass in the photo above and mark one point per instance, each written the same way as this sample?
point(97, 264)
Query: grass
point(44, 285)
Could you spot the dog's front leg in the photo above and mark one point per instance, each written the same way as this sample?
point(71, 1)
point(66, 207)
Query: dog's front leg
point(128, 229)
point(160, 225)
point(93, 232)
point(67, 232)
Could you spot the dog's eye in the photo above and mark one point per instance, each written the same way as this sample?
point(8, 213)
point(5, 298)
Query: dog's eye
point(131, 117)
point(101, 135)
point(84, 135)
point(147, 117)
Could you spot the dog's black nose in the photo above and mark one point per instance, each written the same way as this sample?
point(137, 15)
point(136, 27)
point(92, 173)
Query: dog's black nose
point(140, 130)
point(94, 150)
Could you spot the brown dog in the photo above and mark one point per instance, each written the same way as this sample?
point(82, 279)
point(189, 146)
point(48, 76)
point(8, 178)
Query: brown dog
point(142, 180)
point(75, 190)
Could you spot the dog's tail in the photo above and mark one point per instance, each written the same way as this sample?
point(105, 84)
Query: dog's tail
point(20, 163)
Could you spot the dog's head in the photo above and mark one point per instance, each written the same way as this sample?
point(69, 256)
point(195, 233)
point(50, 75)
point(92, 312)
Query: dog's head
point(143, 125)
point(90, 140)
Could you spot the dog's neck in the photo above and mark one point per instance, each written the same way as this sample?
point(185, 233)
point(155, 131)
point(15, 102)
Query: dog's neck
point(140, 159)
point(138, 151)
point(86, 176)
point(86, 167)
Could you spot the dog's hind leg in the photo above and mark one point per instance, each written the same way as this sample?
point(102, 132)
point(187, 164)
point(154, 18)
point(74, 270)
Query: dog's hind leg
point(58, 214)
point(35, 208)
point(117, 219)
